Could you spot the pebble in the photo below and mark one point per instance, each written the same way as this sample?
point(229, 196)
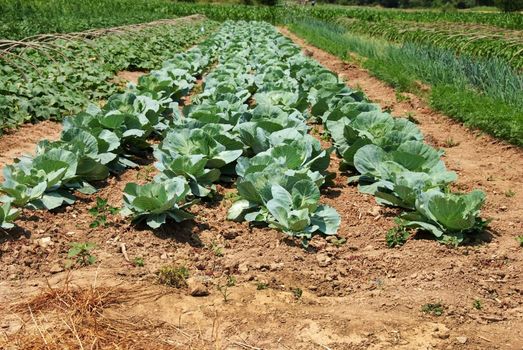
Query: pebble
point(197, 288)
point(56, 267)
point(276, 266)
point(44, 242)
point(323, 260)
point(462, 340)
point(243, 268)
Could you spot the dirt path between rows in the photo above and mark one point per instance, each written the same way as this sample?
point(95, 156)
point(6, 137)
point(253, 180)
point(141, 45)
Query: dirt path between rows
point(357, 295)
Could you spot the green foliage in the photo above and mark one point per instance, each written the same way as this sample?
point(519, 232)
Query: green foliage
point(7, 216)
point(138, 262)
point(476, 304)
point(80, 252)
point(173, 276)
point(50, 85)
point(397, 236)
point(520, 240)
point(297, 292)
point(433, 309)
point(261, 286)
point(157, 201)
point(100, 212)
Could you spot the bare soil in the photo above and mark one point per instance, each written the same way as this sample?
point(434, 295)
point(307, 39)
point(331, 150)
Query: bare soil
point(357, 295)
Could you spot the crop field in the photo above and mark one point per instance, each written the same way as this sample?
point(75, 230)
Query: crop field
point(251, 177)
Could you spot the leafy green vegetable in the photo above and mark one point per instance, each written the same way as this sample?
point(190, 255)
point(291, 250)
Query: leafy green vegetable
point(7, 216)
point(157, 201)
point(447, 215)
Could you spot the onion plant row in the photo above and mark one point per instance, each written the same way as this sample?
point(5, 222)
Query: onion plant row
point(472, 40)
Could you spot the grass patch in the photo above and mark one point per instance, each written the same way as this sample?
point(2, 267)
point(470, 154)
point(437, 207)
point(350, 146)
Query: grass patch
point(487, 95)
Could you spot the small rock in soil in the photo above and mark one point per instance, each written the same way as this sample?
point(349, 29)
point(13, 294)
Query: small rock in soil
point(276, 266)
point(197, 288)
point(323, 260)
point(243, 268)
point(462, 340)
point(56, 267)
point(44, 242)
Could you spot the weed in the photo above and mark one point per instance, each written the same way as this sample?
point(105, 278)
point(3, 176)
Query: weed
point(232, 196)
point(449, 142)
point(261, 286)
point(450, 241)
point(509, 193)
point(325, 137)
point(477, 304)
point(520, 240)
point(100, 212)
point(173, 276)
point(224, 291)
point(231, 281)
point(433, 309)
point(401, 97)
point(338, 242)
point(397, 236)
point(297, 292)
point(146, 174)
point(81, 253)
point(138, 262)
point(216, 248)
point(411, 116)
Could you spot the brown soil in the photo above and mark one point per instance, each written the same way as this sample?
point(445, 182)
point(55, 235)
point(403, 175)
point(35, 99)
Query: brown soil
point(23, 140)
point(357, 295)
point(126, 76)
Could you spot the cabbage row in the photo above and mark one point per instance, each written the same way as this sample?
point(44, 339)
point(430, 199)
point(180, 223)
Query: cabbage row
point(248, 122)
point(101, 141)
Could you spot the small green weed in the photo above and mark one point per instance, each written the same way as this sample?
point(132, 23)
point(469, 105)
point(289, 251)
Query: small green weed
point(173, 276)
point(232, 196)
point(216, 248)
point(80, 254)
point(146, 174)
point(231, 281)
point(297, 292)
point(450, 142)
point(100, 212)
point(261, 286)
point(433, 309)
point(138, 262)
point(520, 240)
point(477, 304)
point(397, 236)
point(510, 193)
point(401, 97)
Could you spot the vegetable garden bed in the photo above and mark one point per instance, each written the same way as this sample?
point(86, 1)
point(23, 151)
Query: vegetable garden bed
point(245, 145)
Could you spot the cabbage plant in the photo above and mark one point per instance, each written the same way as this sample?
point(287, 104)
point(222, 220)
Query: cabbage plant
point(448, 216)
point(155, 202)
point(7, 216)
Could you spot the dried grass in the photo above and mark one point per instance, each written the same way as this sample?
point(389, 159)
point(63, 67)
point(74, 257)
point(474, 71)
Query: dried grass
point(92, 318)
